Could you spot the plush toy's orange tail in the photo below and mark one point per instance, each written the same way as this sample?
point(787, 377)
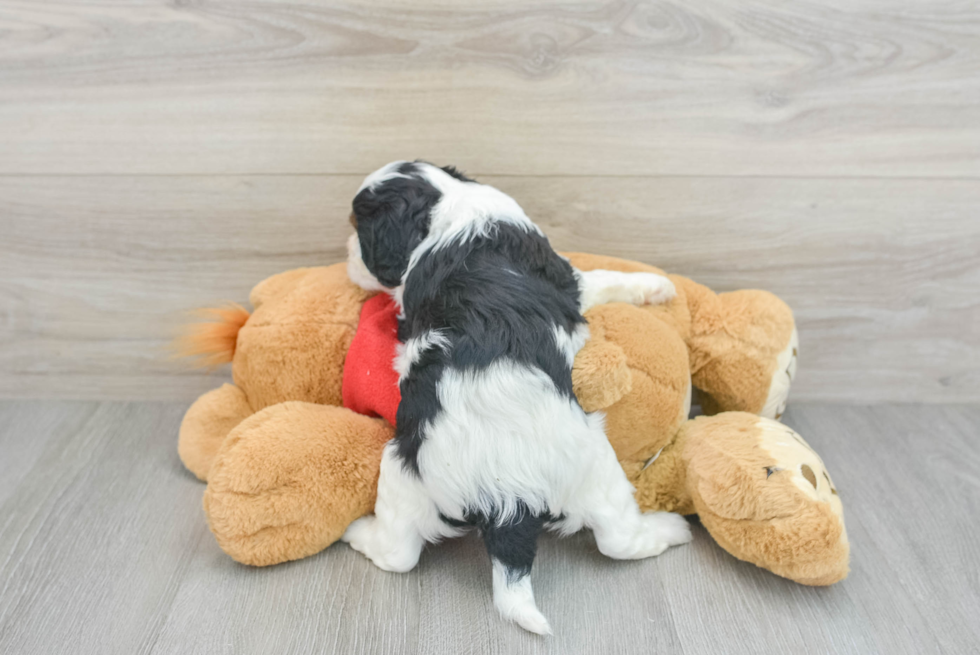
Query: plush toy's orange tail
point(212, 341)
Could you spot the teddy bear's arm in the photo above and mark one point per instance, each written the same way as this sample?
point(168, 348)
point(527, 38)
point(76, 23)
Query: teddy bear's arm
point(601, 374)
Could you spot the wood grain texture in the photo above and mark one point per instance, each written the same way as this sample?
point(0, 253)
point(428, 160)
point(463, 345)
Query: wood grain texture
point(96, 273)
point(104, 549)
point(713, 87)
point(28, 428)
point(97, 533)
point(158, 156)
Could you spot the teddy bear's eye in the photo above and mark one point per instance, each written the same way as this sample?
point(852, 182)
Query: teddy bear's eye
point(809, 475)
point(772, 469)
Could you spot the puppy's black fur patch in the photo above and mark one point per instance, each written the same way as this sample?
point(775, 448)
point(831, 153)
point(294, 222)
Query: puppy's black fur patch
point(513, 543)
point(496, 296)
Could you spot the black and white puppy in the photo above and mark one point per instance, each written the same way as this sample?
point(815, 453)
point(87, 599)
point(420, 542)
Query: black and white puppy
point(489, 432)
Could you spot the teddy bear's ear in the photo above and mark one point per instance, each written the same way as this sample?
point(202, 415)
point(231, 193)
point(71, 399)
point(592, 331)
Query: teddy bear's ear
point(601, 375)
point(735, 475)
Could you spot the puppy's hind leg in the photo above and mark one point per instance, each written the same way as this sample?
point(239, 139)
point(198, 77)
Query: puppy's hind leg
point(605, 503)
point(512, 546)
point(404, 519)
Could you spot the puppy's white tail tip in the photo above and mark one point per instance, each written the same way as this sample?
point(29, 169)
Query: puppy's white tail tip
point(522, 611)
point(533, 621)
point(515, 601)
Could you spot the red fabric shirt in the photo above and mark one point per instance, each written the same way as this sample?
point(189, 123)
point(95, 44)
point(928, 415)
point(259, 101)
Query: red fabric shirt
point(370, 383)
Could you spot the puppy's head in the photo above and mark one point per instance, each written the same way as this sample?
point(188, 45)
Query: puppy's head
point(391, 214)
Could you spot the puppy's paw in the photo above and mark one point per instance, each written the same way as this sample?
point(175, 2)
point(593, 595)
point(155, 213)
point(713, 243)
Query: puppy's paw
point(667, 527)
point(651, 289)
point(359, 534)
point(655, 533)
point(368, 537)
point(660, 531)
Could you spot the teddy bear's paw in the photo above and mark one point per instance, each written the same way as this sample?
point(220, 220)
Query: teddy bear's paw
point(291, 478)
point(367, 536)
point(782, 379)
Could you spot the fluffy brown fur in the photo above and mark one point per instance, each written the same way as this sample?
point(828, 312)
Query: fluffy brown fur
point(288, 469)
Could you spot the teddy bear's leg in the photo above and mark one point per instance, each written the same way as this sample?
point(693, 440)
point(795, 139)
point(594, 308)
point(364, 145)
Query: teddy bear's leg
point(605, 503)
point(207, 423)
point(743, 348)
point(289, 479)
point(404, 519)
point(782, 379)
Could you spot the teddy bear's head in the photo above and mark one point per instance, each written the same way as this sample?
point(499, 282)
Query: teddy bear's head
point(294, 344)
point(767, 497)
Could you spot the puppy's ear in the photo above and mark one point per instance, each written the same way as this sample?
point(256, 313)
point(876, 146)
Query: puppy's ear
point(452, 171)
point(392, 219)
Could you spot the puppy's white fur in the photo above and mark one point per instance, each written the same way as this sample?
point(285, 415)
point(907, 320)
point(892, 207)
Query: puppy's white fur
point(404, 519)
point(477, 456)
point(386, 172)
point(505, 433)
point(408, 353)
point(465, 211)
point(515, 601)
point(599, 287)
point(356, 269)
point(569, 343)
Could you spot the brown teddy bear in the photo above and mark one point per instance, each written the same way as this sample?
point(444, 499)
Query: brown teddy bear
point(288, 466)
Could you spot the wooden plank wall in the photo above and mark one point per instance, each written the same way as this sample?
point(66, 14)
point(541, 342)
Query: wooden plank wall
point(157, 156)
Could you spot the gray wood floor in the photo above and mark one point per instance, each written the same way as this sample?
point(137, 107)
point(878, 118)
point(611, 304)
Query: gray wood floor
point(104, 549)
point(160, 155)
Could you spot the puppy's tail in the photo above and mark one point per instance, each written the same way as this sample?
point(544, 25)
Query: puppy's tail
point(212, 340)
point(512, 547)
